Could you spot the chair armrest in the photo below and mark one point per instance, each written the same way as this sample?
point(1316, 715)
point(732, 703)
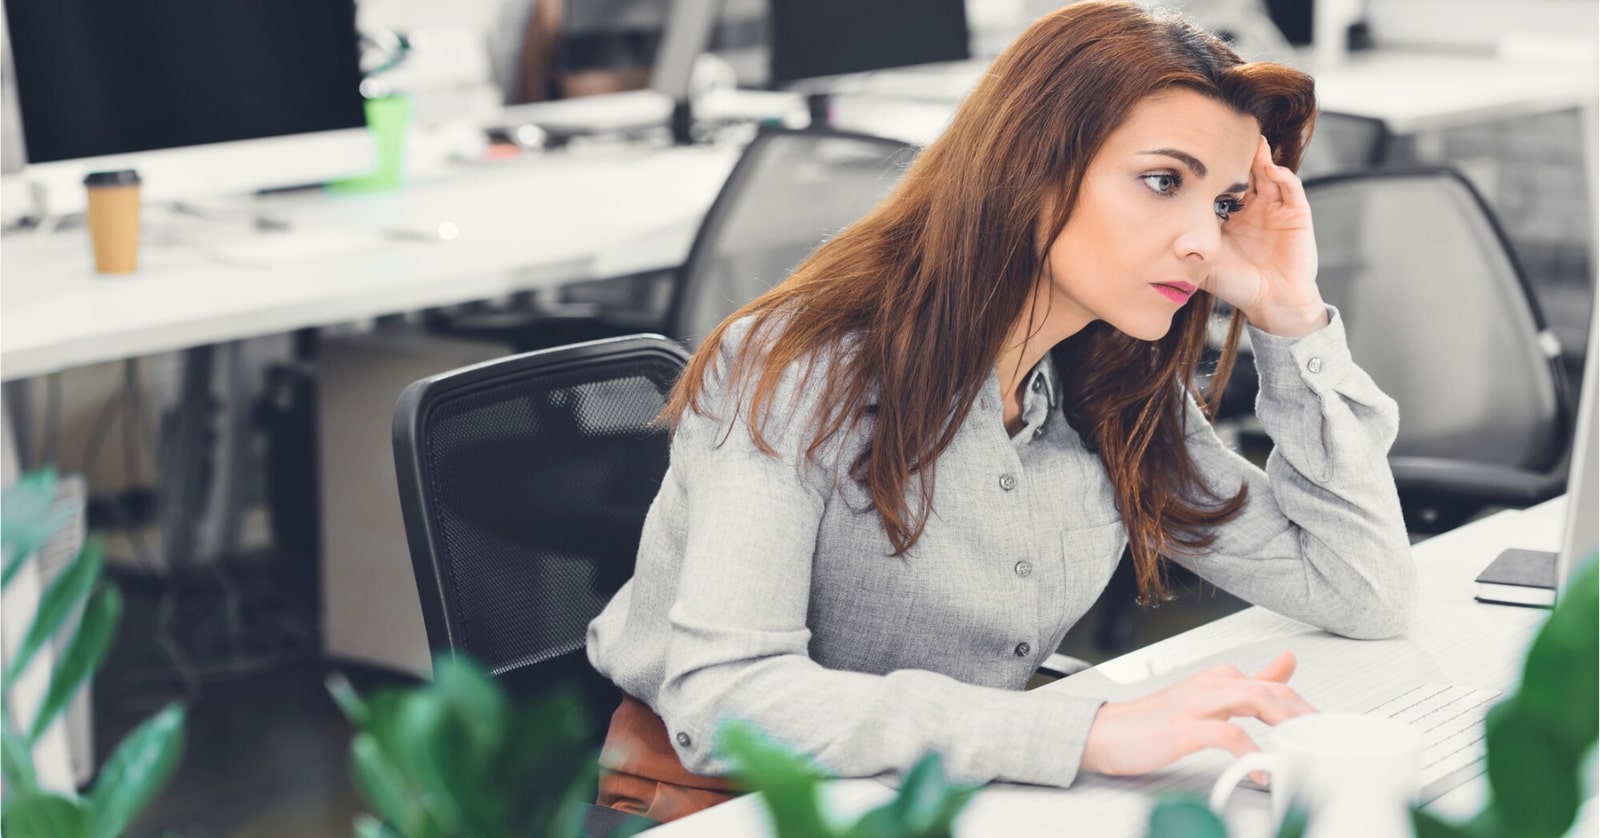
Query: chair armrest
point(1478, 482)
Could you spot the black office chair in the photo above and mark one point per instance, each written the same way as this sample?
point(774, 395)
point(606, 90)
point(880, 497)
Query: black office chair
point(789, 192)
point(524, 483)
point(1439, 312)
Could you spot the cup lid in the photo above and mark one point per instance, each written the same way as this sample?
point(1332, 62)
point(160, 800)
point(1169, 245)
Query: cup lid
point(120, 177)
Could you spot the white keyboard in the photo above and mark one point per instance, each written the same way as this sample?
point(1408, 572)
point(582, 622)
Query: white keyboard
point(1450, 719)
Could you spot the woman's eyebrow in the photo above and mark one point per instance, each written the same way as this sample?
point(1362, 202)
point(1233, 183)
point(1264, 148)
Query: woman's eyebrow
point(1194, 165)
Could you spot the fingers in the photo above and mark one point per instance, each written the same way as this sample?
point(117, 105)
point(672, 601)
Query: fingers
point(1265, 696)
point(1281, 668)
point(1262, 182)
point(1226, 735)
point(1275, 183)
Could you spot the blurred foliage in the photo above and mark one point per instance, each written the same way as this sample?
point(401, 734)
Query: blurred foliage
point(1539, 738)
point(926, 806)
point(142, 763)
point(455, 758)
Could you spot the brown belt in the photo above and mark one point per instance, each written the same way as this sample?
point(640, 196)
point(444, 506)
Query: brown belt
point(642, 775)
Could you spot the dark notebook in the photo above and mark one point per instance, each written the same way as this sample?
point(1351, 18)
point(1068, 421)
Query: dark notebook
point(1519, 577)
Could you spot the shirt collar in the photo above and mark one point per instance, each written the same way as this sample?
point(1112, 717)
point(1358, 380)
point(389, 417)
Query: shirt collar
point(1044, 377)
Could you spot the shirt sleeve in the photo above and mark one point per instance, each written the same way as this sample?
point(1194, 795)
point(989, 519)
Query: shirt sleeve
point(1321, 538)
point(738, 645)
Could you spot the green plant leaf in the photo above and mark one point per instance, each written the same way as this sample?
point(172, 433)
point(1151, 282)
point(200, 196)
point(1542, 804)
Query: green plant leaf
point(368, 826)
point(137, 771)
point(788, 784)
point(18, 763)
point(83, 655)
point(348, 700)
point(925, 807)
point(1533, 771)
point(1561, 675)
point(547, 751)
point(35, 815)
point(1184, 817)
point(1428, 825)
point(59, 601)
point(474, 700)
point(27, 519)
point(381, 786)
point(468, 731)
point(1294, 822)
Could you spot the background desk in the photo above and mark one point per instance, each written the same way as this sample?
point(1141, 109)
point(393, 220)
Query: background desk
point(1455, 640)
point(524, 225)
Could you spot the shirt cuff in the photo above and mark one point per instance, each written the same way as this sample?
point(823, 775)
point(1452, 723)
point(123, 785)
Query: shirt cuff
point(1050, 751)
point(1317, 361)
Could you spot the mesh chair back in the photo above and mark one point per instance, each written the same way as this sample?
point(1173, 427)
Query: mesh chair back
point(525, 482)
point(790, 191)
point(1438, 311)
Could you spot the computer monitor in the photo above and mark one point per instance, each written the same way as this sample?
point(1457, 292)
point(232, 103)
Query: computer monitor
point(1582, 533)
point(685, 28)
point(819, 38)
point(12, 154)
point(202, 97)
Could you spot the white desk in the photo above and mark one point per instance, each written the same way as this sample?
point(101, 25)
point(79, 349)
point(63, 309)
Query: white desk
point(1409, 91)
point(524, 225)
point(1456, 640)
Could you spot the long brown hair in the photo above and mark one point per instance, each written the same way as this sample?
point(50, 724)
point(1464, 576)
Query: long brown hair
point(926, 288)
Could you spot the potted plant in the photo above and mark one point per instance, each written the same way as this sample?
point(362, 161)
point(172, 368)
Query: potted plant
point(925, 807)
point(144, 760)
point(455, 757)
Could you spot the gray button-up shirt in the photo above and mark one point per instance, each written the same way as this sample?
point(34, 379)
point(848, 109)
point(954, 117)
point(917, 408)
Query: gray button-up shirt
point(765, 589)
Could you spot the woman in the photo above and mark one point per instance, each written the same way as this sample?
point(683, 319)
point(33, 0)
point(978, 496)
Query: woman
point(898, 478)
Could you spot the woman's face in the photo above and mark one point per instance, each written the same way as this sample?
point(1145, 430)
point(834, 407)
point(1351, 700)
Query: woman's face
point(1150, 214)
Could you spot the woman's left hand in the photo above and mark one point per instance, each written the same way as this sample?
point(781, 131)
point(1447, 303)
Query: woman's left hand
point(1267, 265)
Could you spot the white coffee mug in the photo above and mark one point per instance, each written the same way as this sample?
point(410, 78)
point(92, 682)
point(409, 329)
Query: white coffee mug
point(1353, 775)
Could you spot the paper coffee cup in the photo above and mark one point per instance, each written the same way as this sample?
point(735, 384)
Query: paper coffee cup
point(114, 220)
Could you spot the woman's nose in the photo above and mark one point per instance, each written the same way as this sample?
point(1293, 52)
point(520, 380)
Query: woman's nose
point(1200, 236)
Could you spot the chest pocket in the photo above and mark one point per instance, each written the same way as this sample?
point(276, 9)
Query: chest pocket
point(1086, 557)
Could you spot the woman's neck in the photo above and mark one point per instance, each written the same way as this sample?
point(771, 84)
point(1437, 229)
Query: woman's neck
point(1048, 320)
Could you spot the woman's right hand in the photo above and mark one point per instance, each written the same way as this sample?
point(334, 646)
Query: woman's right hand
point(1154, 731)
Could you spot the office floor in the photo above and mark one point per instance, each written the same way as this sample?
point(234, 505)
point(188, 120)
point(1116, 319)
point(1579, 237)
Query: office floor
point(267, 749)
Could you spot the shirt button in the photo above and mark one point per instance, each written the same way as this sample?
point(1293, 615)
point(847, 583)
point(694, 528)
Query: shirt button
point(1314, 365)
point(1038, 432)
point(1023, 568)
point(1021, 651)
point(683, 739)
point(1008, 482)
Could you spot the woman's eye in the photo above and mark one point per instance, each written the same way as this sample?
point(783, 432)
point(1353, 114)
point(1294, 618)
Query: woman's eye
point(1228, 206)
point(1164, 183)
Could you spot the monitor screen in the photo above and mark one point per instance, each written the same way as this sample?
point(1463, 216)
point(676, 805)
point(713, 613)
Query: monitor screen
point(109, 77)
point(814, 38)
point(1582, 533)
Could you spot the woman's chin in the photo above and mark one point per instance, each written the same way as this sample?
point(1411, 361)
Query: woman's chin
point(1146, 329)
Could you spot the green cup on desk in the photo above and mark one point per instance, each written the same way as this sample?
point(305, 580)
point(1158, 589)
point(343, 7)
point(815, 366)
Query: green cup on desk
point(388, 118)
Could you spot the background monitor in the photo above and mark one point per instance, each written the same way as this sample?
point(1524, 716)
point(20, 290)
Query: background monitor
point(817, 38)
point(200, 96)
point(1582, 533)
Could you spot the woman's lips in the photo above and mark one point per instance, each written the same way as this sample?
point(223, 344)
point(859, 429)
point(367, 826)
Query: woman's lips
point(1178, 292)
